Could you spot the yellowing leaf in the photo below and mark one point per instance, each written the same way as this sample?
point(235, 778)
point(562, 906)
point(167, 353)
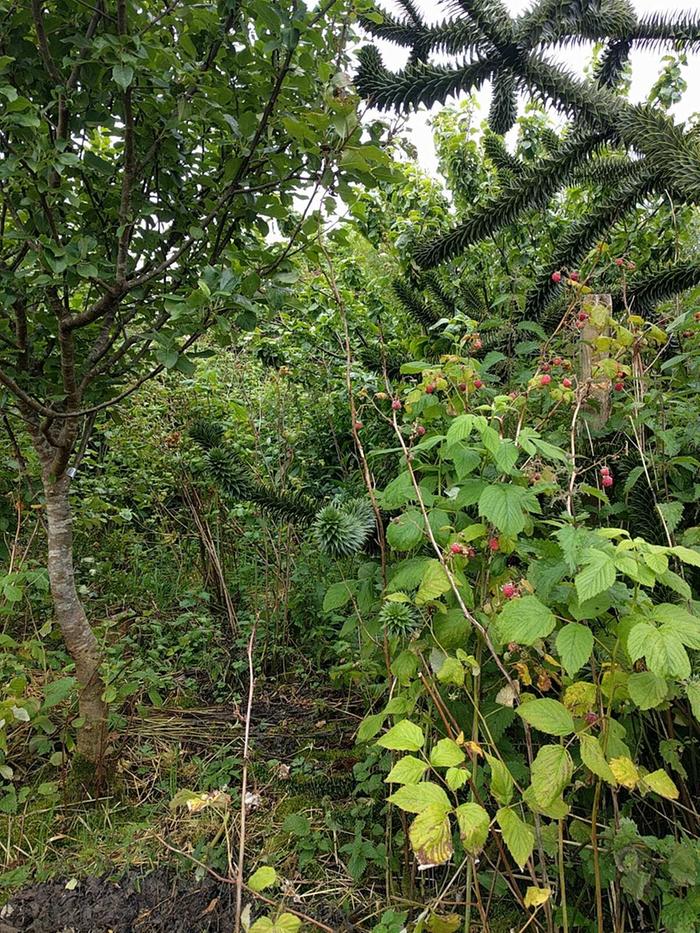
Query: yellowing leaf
point(431, 837)
point(473, 823)
point(535, 897)
point(625, 772)
point(263, 878)
point(661, 784)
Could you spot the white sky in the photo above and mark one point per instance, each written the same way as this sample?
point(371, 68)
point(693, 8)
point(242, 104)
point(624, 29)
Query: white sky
point(645, 70)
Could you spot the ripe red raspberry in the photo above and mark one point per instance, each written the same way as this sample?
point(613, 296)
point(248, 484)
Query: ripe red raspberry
point(557, 361)
point(545, 367)
point(618, 387)
point(591, 718)
point(494, 544)
point(396, 405)
point(430, 388)
point(477, 344)
point(574, 276)
point(462, 387)
point(420, 430)
point(456, 548)
point(509, 590)
point(607, 481)
point(478, 383)
point(545, 380)
point(567, 383)
point(358, 425)
point(582, 316)
point(619, 262)
point(605, 471)
point(469, 552)
point(556, 277)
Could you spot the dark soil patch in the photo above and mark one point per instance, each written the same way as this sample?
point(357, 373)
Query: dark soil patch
point(160, 902)
point(145, 904)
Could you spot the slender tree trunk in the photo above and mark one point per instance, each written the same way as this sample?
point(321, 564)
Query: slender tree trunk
point(78, 636)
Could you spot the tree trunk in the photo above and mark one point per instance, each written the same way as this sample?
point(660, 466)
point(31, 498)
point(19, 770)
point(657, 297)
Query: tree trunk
point(79, 638)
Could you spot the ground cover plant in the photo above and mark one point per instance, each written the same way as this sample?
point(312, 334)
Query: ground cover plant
point(349, 515)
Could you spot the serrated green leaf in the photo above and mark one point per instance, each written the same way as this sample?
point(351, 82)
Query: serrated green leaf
point(407, 770)
point(550, 773)
point(548, 716)
point(457, 777)
point(413, 798)
point(574, 644)
point(525, 621)
point(517, 835)
point(503, 506)
point(338, 595)
point(646, 689)
point(406, 532)
point(405, 736)
point(446, 753)
point(597, 575)
point(434, 583)
point(501, 785)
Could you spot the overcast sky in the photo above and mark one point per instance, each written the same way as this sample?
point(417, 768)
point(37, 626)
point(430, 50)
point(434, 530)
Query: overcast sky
point(645, 69)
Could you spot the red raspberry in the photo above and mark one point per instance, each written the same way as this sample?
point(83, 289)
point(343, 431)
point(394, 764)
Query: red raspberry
point(618, 387)
point(607, 481)
point(396, 405)
point(605, 471)
point(513, 647)
point(462, 387)
point(478, 383)
point(591, 718)
point(567, 383)
point(619, 262)
point(574, 276)
point(358, 425)
point(509, 590)
point(456, 548)
point(494, 544)
point(556, 277)
point(420, 430)
point(477, 344)
point(545, 380)
point(430, 388)
point(582, 316)
point(557, 361)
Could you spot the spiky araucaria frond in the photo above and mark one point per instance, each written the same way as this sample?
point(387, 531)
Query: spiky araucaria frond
point(553, 22)
point(582, 235)
point(292, 507)
point(673, 152)
point(206, 433)
point(611, 66)
point(553, 85)
point(530, 192)
point(399, 619)
point(644, 294)
point(495, 150)
point(338, 532)
point(414, 302)
point(417, 84)
point(227, 472)
point(436, 289)
point(606, 170)
point(491, 17)
point(504, 103)
point(656, 30)
point(362, 511)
